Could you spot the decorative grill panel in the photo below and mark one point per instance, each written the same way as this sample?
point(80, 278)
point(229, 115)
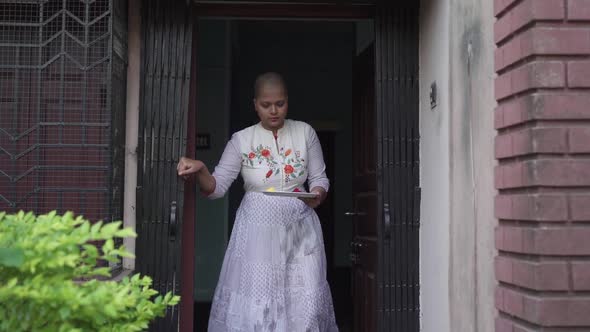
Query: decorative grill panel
point(60, 147)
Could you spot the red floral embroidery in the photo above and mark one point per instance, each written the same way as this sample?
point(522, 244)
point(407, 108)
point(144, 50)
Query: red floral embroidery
point(289, 162)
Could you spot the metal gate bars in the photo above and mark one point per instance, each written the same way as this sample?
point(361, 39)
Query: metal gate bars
point(164, 95)
point(398, 165)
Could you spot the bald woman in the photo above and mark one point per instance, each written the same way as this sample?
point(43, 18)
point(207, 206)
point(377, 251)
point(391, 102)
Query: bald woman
point(273, 276)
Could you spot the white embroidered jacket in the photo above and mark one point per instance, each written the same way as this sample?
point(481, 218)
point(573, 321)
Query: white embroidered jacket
point(283, 163)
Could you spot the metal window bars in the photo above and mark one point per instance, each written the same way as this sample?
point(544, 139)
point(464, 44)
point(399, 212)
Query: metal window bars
point(60, 147)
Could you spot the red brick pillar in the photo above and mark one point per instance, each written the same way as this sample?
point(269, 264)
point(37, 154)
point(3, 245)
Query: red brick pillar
point(543, 176)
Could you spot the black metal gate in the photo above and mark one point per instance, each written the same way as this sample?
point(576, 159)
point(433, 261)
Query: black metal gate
point(164, 95)
point(398, 165)
point(61, 127)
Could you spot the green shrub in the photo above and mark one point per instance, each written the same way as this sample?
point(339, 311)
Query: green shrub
point(43, 259)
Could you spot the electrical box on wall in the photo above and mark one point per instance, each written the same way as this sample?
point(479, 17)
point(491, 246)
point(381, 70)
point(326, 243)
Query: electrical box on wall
point(203, 141)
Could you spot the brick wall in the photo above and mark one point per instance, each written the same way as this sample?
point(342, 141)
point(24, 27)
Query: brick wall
point(543, 173)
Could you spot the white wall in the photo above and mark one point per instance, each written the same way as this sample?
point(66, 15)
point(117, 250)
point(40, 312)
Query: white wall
point(472, 166)
point(457, 158)
point(435, 163)
point(132, 125)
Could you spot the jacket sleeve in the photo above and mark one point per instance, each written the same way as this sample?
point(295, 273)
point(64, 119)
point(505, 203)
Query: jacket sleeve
point(227, 169)
point(316, 168)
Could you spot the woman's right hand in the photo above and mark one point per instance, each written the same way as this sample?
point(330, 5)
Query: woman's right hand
point(188, 167)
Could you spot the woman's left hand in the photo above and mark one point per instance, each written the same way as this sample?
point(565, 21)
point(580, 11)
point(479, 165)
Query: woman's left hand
point(315, 202)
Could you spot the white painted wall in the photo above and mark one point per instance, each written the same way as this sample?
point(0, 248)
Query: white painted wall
point(132, 125)
point(457, 161)
point(472, 166)
point(435, 163)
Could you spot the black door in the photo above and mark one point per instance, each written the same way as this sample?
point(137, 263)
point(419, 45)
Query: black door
point(398, 192)
point(165, 77)
point(365, 242)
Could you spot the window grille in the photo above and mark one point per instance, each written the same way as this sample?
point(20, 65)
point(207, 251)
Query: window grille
point(61, 127)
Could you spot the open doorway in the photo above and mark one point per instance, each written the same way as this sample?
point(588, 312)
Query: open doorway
point(385, 211)
point(317, 60)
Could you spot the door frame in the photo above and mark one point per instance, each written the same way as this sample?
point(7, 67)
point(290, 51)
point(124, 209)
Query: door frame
point(302, 10)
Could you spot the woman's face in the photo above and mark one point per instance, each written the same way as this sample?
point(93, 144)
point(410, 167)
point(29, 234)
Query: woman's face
point(271, 105)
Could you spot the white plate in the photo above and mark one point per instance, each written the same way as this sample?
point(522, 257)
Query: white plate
point(290, 194)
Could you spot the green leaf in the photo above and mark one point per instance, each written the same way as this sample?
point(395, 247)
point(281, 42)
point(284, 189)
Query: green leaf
point(124, 253)
point(95, 228)
point(102, 271)
point(174, 300)
point(91, 250)
point(11, 257)
point(126, 232)
point(108, 246)
point(11, 283)
point(84, 228)
point(64, 313)
point(110, 228)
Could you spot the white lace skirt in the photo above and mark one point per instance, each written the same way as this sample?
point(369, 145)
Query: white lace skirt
point(273, 276)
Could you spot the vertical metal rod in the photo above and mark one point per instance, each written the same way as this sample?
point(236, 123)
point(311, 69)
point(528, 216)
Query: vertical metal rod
point(146, 208)
point(62, 92)
point(382, 236)
point(171, 176)
point(15, 130)
point(160, 187)
point(139, 224)
point(381, 271)
point(62, 72)
point(109, 110)
point(391, 109)
point(410, 138)
point(85, 93)
point(158, 204)
point(85, 64)
point(152, 169)
point(402, 162)
point(178, 71)
point(36, 188)
point(166, 164)
point(182, 140)
point(416, 170)
point(389, 178)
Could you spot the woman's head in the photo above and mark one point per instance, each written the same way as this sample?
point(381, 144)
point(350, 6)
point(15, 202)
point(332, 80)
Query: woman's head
point(271, 100)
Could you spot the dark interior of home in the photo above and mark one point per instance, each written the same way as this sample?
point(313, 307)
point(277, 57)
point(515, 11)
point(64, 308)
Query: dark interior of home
point(316, 59)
